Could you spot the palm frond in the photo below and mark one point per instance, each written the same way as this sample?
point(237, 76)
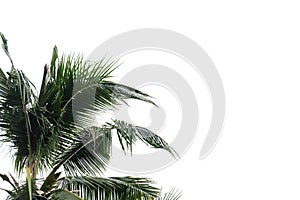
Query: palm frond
point(25, 127)
point(5, 47)
point(123, 92)
point(50, 182)
point(174, 194)
point(29, 128)
point(89, 154)
point(17, 99)
point(6, 178)
point(128, 134)
point(64, 194)
point(70, 78)
point(114, 188)
point(21, 192)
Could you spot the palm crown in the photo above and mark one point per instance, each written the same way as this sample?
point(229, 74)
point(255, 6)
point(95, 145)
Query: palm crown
point(53, 130)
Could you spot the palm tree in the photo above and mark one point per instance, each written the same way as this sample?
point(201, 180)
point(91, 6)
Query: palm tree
point(53, 131)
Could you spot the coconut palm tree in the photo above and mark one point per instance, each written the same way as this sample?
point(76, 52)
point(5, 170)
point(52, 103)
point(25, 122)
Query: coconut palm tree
point(53, 131)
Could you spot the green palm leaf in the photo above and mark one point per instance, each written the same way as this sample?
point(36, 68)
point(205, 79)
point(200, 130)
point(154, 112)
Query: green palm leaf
point(114, 188)
point(16, 113)
point(128, 134)
point(64, 194)
point(89, 154)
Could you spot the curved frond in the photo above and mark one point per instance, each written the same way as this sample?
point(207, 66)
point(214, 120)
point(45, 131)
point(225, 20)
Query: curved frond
point(123, 92)
point(128, 134)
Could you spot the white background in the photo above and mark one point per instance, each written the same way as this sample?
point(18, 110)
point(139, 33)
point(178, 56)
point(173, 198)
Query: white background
point(255, 46)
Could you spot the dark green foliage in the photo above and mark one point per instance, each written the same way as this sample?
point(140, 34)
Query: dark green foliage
point(53, 130)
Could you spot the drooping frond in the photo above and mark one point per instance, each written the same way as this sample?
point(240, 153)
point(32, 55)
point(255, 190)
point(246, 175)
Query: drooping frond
point(123, 92)
point(128, 134)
